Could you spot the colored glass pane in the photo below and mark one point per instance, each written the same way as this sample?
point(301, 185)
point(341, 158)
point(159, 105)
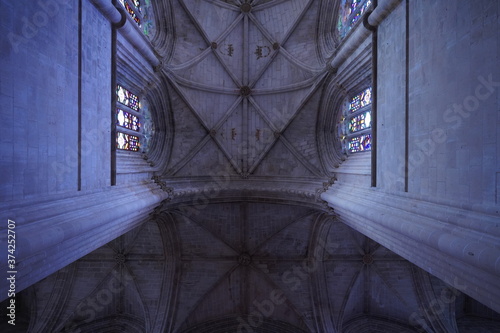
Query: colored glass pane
point(147, 126)
point(131, 11)
point(360, 143)
point(360, 122)
point(362, 99)
point(127, 142)
point(349, 14)
point(125, 97)
point(127, 120)
point(148, 27)
point(137, 4)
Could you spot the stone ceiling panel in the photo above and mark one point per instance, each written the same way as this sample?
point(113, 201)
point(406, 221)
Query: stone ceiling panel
point(211, 16)
point(190, 42)
point(261, 137)
point(231, 136)
point(225, 299)
point(392, 290)
point(280, 18)
point(230, 50)
point(206, 72)
point(196, 281)
point(352, 302)
point(301, 132)
point(207, 160)
point(290, 242)
point(196, 240)
point(344, 293)
point(189, 131)
point(279, 108)
point(242, 55)
point(280, 162)
point(260, 289)
point(211, 107)
point(260, 53)
point(291, 278)
point(299, 43)
point(281, 73)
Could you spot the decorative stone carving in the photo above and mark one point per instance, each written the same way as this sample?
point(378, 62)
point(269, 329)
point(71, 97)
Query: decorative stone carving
point(120, 258)
point(244, 259)
point(163, 186)
point(245, 91)
point(246, 8)
point(367, 259)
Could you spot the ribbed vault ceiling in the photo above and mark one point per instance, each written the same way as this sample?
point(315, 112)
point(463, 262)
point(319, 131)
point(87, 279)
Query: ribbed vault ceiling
point(245, 77)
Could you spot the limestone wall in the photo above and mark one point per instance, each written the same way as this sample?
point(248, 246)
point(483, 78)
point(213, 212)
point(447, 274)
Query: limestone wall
point(441, 88)
point(52, 114)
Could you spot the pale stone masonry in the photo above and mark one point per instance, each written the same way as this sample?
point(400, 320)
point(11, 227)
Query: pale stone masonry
point(244, 213)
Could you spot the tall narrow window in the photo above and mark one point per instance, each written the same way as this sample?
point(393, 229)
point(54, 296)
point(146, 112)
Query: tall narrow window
point(356, 123)
point(350, 12)
point(127, 142)
point(127, 122)
point(141, 11)
point(127, 98)
point(133, 8)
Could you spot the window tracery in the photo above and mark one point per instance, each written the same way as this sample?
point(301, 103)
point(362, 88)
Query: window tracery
point(356, 123)
point(127, 119)
point(141, 12)
point(350, 12)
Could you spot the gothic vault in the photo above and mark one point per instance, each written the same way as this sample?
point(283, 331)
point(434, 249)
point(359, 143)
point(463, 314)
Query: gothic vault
point(228, 197)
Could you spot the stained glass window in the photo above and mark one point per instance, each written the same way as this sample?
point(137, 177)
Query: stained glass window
point(360, 122)
point(132, 10)
point(356, 122)
point(350, 12)
point(137, 4)
point(360, 143)
point(361, 100)
point(147, 126)
point(127, 120)
point(127, 142)
point(125, 97)
point(148, 27)
point(141, 11)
